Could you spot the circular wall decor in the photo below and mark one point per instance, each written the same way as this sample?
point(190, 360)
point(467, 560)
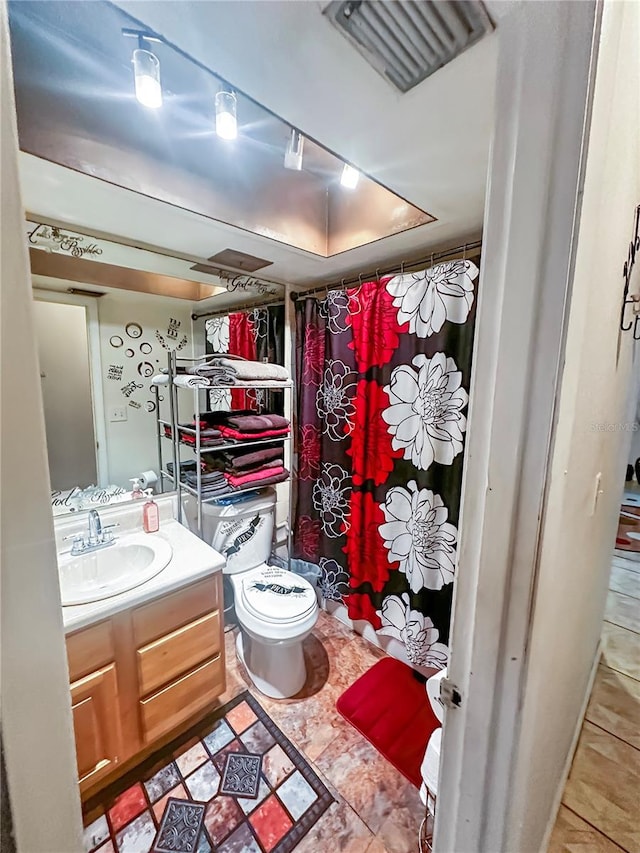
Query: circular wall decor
point(145, 348)
point(145, 368)
point(150, 406)
point(129, 353)
point(134, 330)
point(116, 341)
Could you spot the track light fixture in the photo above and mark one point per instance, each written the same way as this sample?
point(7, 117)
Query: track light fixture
point(146, 70)
point(293, 154)
point(350, 177)
point(226, 114)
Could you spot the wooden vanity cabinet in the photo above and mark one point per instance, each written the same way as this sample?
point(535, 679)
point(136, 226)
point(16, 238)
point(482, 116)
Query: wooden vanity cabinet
point(141, 674)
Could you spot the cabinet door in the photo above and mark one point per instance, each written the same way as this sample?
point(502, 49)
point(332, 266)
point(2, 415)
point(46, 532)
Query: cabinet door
point(96, 720)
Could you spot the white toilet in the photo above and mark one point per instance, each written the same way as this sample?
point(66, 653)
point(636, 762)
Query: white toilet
point(276, 609)
point(431, 763)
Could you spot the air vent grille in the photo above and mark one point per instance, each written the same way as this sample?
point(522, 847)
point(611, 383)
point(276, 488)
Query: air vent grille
point(407, 40)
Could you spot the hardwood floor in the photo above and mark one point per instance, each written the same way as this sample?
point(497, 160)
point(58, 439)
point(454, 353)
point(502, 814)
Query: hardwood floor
point(600, 810)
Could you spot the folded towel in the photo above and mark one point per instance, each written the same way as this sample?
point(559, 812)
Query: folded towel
point(160, 379)
point(246, 460)
point(211, 368)
point(267, 481)
point(184, 380)
point(257, 423)
point(255, 477)
point(254, 370)
point(228, 432)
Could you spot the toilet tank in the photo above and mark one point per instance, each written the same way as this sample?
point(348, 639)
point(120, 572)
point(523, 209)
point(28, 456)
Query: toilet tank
point(241, 529)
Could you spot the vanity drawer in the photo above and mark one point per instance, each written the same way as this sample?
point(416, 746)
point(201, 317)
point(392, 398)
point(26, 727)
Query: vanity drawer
point(170, 656)
point(165, 710)
point(89, 649)
point(157, 618)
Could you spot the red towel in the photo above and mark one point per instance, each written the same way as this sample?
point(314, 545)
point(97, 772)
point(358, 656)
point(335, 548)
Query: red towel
point(228, 432)
point(255, 477)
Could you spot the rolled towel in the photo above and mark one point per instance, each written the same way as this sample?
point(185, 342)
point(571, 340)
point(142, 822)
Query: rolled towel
point(187, 381)
point(255, 370)
point(160, 379)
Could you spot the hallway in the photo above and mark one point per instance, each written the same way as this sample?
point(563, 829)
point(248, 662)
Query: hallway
point(599, 811)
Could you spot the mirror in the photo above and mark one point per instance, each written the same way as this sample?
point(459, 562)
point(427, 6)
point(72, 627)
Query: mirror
point(104, 330)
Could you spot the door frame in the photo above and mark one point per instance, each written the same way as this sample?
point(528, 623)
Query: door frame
point(546, 69)
point(95, 370)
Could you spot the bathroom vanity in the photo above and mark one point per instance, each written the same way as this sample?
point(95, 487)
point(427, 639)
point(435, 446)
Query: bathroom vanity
point(148, 662)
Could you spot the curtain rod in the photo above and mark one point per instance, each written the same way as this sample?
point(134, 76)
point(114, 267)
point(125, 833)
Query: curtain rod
point(222, 312)
point(472, 249)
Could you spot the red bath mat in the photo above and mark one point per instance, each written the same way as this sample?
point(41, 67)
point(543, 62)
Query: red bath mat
point(389, 706)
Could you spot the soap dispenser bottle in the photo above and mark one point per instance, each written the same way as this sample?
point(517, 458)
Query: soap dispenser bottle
point(150, 514)
point(136, 489)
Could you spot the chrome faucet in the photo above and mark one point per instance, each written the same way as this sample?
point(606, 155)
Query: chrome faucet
point(96, 536)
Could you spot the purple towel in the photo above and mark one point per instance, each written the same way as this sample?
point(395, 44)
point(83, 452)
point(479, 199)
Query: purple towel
point(257, 423)
point(247, 460)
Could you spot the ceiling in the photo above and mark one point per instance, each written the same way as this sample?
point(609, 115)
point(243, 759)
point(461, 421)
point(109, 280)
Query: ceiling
point(430, 145)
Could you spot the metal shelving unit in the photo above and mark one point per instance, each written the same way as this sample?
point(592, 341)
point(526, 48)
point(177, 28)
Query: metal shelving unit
point(198, 447)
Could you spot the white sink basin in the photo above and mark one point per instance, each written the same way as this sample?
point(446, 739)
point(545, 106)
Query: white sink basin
point(131, 561)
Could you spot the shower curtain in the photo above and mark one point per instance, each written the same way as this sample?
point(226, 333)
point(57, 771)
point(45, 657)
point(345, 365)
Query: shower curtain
point(257, 335)
point(383, 376)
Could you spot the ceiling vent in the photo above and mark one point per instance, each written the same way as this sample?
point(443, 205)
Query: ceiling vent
point(407, 40)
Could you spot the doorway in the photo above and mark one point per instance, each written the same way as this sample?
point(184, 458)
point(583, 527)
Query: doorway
point(64, 328)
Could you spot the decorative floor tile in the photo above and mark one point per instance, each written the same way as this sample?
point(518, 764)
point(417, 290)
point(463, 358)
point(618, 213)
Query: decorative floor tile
point(277, 765)
point(127, 806)
point(242, 841)
point(248, 805)
point(219, 737)
point(137, 837)
point(296, 794)
point(270, 822)
point(204, 783)
point(221, 758)
point(180, 827)
point(221, 817)
point(257, 738)
point(192, 758)
point(95, 833)
point(241, 775)
point(241, 717)
point(177, 793)
point(164, 780)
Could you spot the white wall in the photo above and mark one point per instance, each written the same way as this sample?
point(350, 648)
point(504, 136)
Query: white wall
point(63, 351)
point(581, 512)
point(36, 705)
point(131, 444)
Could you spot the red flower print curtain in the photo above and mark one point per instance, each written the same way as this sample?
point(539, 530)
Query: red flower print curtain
point(384, 372)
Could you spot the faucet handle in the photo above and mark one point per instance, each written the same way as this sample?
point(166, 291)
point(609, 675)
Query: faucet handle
point(73, 536)
point(111, 526)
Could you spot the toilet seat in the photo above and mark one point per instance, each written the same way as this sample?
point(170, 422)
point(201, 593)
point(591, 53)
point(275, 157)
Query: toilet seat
point(273, 616)
point(276, 595)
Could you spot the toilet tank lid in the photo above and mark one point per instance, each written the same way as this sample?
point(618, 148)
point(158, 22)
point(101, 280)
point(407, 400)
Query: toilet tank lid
point(277, 595)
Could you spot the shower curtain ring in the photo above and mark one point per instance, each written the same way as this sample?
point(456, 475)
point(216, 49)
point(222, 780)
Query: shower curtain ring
point(464, 252)
point(377, 275)
point(431, 259)
point(360, 278)
point(401, 267)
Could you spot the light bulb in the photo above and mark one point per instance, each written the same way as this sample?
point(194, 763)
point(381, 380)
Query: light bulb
point(293, 154)
point(226, 121)
point(350, 177)
point(146, 71)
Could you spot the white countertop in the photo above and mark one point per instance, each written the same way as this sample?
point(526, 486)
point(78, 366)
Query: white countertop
point(192, 560)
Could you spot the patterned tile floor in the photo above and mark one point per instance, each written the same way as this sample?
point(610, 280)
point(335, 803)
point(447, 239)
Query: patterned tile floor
point(374, 809)
point(599, 811)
